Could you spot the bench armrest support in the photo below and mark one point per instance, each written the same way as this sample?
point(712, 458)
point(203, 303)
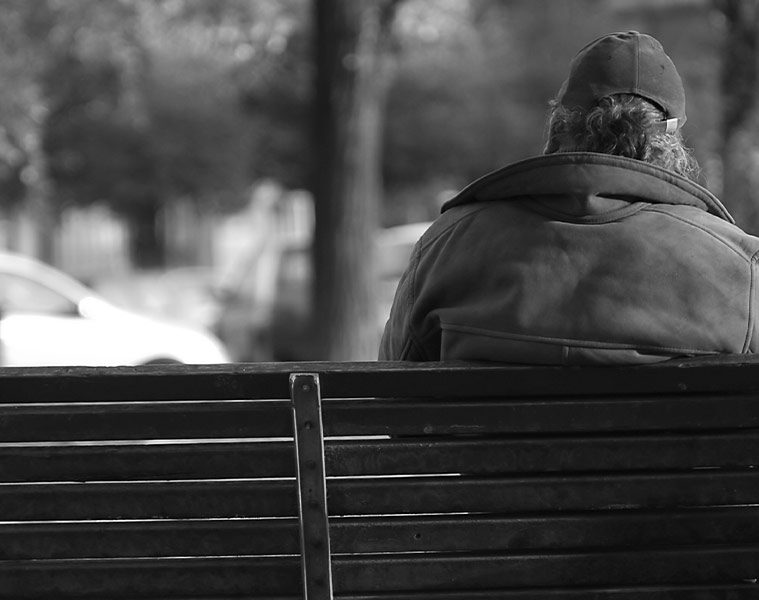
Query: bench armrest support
point(305, 394)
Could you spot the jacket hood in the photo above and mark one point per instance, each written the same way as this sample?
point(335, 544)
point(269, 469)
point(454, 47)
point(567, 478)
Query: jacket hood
point(589, 173)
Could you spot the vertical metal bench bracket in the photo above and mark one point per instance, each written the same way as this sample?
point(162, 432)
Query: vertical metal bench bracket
point(305, 394)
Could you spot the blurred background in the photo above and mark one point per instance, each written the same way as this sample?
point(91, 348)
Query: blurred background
point(243, 180)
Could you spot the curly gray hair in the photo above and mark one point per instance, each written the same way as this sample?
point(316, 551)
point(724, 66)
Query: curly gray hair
point(622, 125)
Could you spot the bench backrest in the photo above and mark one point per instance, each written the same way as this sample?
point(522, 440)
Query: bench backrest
point(442, 481)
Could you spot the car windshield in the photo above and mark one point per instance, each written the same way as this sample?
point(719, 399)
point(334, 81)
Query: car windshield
point(19, 294)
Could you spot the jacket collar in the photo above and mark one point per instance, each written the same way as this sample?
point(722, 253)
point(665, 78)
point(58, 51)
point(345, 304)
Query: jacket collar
point(589, 174)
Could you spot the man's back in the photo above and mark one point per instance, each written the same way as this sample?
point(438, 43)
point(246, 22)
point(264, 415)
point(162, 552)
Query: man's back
point(639, 273)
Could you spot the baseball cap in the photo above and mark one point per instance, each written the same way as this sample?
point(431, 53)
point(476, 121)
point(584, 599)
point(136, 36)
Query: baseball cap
point(625, 63)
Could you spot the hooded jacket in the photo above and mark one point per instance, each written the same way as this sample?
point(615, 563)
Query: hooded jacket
point(577, 258)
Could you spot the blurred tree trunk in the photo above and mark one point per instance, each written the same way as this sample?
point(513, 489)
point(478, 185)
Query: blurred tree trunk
point(352, 75)
point(146, 236)
point(740, 125)
point(39, 197)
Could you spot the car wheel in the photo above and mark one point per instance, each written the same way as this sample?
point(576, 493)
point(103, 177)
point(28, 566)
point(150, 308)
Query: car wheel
point(163, 361)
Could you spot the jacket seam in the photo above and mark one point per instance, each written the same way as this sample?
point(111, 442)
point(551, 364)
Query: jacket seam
point(421, 352)
point(736, 249)
point(406, 348)
point(612, 216)
point(751, 294)
point(568, 341)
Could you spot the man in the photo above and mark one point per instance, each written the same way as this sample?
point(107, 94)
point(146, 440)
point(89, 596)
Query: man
point(603, 250)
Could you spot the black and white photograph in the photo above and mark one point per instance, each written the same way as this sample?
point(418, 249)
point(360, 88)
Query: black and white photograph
point(379, 299)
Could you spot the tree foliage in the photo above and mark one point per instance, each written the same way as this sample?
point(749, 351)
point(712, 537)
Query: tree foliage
point(160, 117)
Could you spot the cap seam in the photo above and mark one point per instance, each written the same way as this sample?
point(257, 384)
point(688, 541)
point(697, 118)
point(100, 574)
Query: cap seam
point(637, 63)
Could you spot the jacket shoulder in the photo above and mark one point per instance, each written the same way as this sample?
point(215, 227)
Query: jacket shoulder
point(729, 234)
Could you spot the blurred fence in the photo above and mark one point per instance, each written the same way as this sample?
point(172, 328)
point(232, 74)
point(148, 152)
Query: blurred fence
point(289, 221)
point(91, 242)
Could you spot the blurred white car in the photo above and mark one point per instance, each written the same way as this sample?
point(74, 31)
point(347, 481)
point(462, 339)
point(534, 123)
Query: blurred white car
point(48, 318)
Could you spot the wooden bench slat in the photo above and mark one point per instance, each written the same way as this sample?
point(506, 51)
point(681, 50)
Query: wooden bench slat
point(740, 591)
point(177, 420)
point(161, 420)
point(145, 383)
point(266, 536)
point(181, 577)
point(112, 539)
point(271, 380)
point(562, 492)
point(471, 455)
point(145, 500)
point(601, 529)
point(233, 577)
point(118, 539)
point(723, 374)
point(738, 448)
point(539, 415)
point(151, 461)
point(409, 572)
point(705, 374)
point(158, 420)
point(433, 494)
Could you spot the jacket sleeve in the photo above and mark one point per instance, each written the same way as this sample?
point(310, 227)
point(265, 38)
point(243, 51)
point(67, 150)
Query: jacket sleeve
point(398, 339)
point(752, 336)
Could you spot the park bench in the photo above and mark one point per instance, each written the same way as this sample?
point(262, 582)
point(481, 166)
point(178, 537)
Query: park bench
point(443, 482)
